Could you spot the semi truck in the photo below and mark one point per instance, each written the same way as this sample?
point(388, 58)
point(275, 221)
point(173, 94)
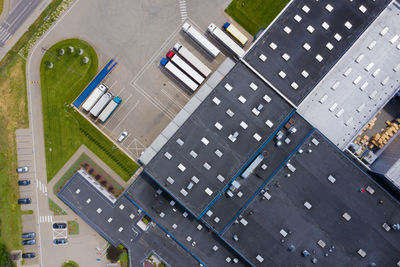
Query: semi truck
point(191, 72)
point(109, 109)
point(101, 104)
point(238, 35)
point(192, 59)
point(200, 39)
point(180, 75)
point(94, 97)
point(226, 40)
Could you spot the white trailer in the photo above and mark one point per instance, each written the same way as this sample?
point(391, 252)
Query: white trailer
point(191, 72)
point(109, 109)
point(226, 40)
point(192, 59)
point(200, 39)
point(238, 35)
point(94, 97)
point(179, 74)
point(101, 104)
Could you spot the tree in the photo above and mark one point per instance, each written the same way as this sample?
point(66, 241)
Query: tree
point(5, 257)
point(113, 253)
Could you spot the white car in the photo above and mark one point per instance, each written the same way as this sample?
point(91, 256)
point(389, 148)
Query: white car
point(122, 136)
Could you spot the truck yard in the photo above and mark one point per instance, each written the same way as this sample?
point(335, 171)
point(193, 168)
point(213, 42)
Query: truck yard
point(159, 90)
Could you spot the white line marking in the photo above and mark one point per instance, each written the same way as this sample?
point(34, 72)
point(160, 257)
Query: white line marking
point(137, 102)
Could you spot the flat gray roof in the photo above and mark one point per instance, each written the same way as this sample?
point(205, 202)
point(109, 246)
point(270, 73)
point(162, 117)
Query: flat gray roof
point(319, 208)
point(226, 207)
point(307, 39)
point(117, 223)
point(205, 245)
point(201, 147)
point(363, 81)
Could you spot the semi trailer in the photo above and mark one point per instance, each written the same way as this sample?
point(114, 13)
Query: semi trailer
point(101, 104)
point(109, 109)
point(180, 75)
point(94, 97)
point(226, 40)
point(192, 59)
point(200, 39)
point(235, 33)
point(191, 72)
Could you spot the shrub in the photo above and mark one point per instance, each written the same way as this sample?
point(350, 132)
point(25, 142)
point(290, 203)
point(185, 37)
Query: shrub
point(113, 253)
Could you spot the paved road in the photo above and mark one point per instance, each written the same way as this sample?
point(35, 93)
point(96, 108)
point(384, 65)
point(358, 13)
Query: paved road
point(16, 18)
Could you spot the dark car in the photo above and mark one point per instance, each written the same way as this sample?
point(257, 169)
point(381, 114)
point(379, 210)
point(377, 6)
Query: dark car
point(28, 255)
point(22, 169)
point(24, 182)
point(28, 235)
point(28, 242)
point(24, 201)
point(60, 241)
point(59, 225)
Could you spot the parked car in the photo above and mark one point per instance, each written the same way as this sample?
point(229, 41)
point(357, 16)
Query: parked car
point(24, 201)
point(122, 136)
point(60, 241)
point(59, 225)
point(24, 182)
point(22, 169)
point(28, 242)
point(28, 235)
point(28, 255)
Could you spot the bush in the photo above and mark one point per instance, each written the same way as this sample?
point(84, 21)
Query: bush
point(113, 253)
point(5, 257)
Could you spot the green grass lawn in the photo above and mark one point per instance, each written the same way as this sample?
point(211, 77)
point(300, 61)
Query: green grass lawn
point(73, 228)
point(1, 6)
point(57, 210)
point(65, 129)
point(13, 115)
point(253, 15)
point(70, 264)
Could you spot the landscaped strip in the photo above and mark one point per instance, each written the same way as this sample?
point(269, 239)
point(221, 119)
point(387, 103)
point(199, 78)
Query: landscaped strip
point(254, 15)
point(63, 77)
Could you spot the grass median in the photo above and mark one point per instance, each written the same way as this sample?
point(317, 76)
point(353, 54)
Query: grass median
point(13, 115)
point(65, 129)
point(254, 15)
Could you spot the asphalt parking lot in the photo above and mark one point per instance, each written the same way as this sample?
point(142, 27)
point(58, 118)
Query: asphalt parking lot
point(151, 97)
point(25, 158)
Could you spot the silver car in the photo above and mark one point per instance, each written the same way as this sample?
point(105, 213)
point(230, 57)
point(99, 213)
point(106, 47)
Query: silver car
point(122, 136)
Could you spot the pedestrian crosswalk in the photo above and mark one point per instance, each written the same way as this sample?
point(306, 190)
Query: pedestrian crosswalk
point(183, 10)
point(4, 35)
point(42, 187)
point(46, 219)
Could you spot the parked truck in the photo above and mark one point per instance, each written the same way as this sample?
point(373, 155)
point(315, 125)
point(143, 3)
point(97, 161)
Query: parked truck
point(191, 72)
point(200, 39)
point(238, 35)
point(180, 75)
point(101, 104)
point(226, 40)
point(109, 109)
point(192, 59)
point(94, 97)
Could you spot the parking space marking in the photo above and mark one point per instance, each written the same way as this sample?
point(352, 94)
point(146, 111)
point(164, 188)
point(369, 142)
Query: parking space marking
point(127, 114)
point(114, 83)
point(156, 54)
point(156, 103)
point(179, 91)
point(106, 123)
point(171, 98)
